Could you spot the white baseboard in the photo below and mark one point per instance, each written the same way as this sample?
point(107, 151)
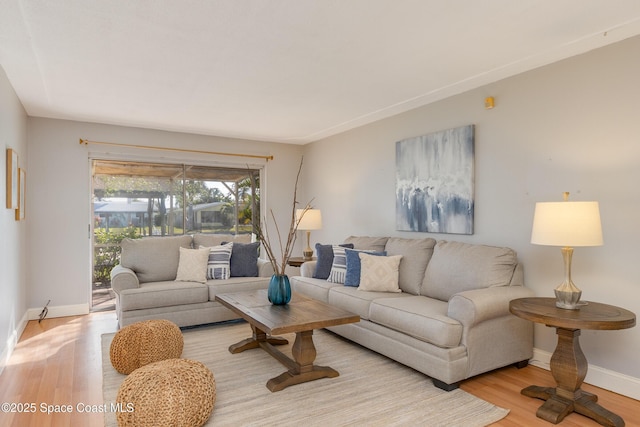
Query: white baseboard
point(12, 341)
point(34, 314)
point(597, 376)
point(60, 311)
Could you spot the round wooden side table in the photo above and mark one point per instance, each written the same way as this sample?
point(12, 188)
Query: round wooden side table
point(568, 362)
point(298, 261)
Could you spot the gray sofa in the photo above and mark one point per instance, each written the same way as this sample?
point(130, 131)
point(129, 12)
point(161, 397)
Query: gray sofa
point(146, 287)
point(450, 317)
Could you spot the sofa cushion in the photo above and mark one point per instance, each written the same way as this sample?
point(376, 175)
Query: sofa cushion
point(211, 240)
point(352, 277)
point(315, 288)
point(219, 264)
point(244, 259)
point(416, 254)
point(379, 274)
point(324, 254)
point(153, 259)
point(457, 267)
point(369, 243)
point(418, 316)
point(355, 301)
point(163, 294)
point(192, 266)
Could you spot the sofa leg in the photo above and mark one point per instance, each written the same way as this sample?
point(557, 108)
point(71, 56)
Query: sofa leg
point(444, 386)
point(521, 364)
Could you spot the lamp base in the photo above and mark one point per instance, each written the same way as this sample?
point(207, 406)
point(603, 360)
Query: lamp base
point(568, 300)
point(307, 254)
point(567, 294)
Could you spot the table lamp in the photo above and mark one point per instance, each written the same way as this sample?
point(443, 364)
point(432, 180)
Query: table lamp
point(311, 220)
point(567, 224)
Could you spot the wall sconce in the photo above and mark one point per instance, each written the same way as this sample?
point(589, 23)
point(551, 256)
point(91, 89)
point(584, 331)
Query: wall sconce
point(489, 102)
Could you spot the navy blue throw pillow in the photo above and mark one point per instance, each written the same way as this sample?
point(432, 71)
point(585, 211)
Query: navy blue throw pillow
point(244, 259)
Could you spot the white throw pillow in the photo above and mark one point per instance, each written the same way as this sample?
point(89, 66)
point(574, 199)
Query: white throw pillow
point(219, 264)
point(192, 266)
point(379, 273)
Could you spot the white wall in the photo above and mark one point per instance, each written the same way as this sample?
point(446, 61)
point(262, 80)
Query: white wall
point(13, 234)
point(59, 195)
point(570, 126)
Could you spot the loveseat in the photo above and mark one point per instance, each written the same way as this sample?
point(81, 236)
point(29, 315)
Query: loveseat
point(177, 277)
point(443, 310)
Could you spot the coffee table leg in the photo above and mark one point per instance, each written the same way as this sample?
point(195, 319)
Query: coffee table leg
point(302, 369)
point(254, 342)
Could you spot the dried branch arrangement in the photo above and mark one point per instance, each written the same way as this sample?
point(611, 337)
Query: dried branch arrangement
point(280, 263)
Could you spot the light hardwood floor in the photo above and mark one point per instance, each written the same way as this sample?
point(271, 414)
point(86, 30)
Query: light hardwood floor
point(58, 363)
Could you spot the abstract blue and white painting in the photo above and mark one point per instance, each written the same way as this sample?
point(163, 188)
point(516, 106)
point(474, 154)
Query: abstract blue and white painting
point(435, 182)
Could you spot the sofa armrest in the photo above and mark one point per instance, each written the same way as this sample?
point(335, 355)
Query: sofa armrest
point(478, 305)
point(123, 278)
point(308, 268)
point(265, 269)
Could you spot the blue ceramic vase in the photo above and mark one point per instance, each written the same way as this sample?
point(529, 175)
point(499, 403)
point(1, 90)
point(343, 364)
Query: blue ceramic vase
point(279, 291)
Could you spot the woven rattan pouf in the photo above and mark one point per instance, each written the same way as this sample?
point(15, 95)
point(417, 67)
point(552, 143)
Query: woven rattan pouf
point(145, 342)
point(174, 392)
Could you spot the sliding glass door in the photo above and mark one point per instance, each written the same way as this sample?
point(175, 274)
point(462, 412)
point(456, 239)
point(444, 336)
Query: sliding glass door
point(138, 199)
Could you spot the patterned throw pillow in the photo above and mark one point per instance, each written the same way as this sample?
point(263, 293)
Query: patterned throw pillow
point(379, 274)
point(325, 260)
point(339, 266)
point(352, 277)
point(219, 265)
point(192, 266)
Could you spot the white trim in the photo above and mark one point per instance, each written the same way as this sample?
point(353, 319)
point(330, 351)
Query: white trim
point(597, 376)
point(12, 341)
point(33, 314)
point(60, 311)
point(91, 232)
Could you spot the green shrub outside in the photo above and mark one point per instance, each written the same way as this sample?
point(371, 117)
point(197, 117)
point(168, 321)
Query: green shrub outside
point(108, 256)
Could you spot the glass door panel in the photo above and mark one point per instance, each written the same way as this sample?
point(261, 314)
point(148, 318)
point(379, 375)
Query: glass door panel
point(138, 199)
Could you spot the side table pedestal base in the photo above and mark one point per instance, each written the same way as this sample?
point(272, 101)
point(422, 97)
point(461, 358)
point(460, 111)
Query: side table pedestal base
point(556, 408)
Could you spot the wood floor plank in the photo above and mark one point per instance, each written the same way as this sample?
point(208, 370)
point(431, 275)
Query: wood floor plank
point(58, 362)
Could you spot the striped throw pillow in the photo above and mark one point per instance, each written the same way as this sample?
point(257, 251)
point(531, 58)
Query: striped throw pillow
point(339, 266)
point(219, 265)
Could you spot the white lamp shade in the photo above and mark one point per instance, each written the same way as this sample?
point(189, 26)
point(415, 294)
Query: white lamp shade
point(567, 224)
point(311, 220)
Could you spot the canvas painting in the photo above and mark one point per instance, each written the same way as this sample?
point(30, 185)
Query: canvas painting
point(435, 182)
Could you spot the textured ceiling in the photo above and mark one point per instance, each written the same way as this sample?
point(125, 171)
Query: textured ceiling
point(281, 70)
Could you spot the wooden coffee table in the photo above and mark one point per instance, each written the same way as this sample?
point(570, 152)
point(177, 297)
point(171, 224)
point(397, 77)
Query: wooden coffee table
point(568, 362)
point(302, 315)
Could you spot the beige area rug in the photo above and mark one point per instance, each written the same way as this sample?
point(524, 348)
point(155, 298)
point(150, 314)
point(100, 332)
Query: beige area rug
point(371, 390)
